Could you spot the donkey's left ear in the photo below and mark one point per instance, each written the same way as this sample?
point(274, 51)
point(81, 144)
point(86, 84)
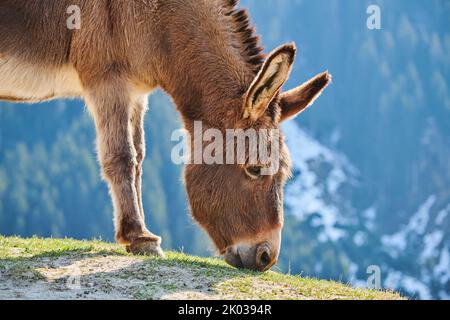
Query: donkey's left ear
point(296, 100)
point(269, 81)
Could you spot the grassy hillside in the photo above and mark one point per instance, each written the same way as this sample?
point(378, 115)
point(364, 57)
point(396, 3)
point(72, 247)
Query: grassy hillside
point(69, 269)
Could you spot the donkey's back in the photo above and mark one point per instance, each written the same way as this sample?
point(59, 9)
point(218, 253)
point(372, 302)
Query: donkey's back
point(35, 30)
point(34, 51)
point(42, 57)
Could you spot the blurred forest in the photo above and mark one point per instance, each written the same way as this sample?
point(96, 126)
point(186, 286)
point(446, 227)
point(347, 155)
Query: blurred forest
point(371, 157)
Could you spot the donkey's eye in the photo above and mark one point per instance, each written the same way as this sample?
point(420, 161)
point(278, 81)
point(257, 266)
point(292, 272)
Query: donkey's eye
point(253, 171)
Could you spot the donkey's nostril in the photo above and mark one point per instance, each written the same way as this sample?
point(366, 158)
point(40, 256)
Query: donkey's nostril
point(263, 257)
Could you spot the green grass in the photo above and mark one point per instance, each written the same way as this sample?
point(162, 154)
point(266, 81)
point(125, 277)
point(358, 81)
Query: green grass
point(24, 262)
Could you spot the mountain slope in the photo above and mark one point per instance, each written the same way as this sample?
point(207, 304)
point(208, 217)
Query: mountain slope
point(68, 269)
point(387, 113)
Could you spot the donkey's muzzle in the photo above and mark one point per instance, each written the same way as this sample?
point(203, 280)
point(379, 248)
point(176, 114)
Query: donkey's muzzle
point(258, 258)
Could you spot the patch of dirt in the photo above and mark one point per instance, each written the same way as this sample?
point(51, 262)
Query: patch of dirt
point(108, 277)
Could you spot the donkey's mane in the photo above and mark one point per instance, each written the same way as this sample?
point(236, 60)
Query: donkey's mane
point(251, 49)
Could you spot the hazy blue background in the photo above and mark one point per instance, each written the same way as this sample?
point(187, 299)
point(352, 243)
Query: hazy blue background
point(371, 158)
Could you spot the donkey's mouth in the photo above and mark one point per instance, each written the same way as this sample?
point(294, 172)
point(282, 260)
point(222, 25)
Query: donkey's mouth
point(233, 259)
point(256, 258)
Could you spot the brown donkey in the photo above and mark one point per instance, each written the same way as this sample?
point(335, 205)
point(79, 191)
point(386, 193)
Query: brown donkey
point(206, 56)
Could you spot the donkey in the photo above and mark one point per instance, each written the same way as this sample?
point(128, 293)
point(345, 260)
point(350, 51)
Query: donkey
point(206, 56)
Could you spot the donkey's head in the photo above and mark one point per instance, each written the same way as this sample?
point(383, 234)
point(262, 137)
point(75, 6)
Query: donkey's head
point(240, 204)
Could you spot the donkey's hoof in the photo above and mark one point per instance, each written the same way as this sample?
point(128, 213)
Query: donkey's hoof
point(145, 247)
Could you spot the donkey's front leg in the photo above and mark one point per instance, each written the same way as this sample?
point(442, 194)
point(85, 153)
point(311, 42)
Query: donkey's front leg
point(112, 109)
point(137, 122)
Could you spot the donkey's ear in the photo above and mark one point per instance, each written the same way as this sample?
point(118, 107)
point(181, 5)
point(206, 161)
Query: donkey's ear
point(269, 81)
point(296, 100)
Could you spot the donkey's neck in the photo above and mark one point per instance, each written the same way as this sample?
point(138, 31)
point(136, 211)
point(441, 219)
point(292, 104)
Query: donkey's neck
point(207, 64)
point(207, 86)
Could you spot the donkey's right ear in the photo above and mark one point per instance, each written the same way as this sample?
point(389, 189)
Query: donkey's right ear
point(269, 81)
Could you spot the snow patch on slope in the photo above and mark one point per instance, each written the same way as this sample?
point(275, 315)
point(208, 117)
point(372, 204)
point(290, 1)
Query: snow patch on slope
point(397, 242)
point(427, 240)
point(319, 173)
